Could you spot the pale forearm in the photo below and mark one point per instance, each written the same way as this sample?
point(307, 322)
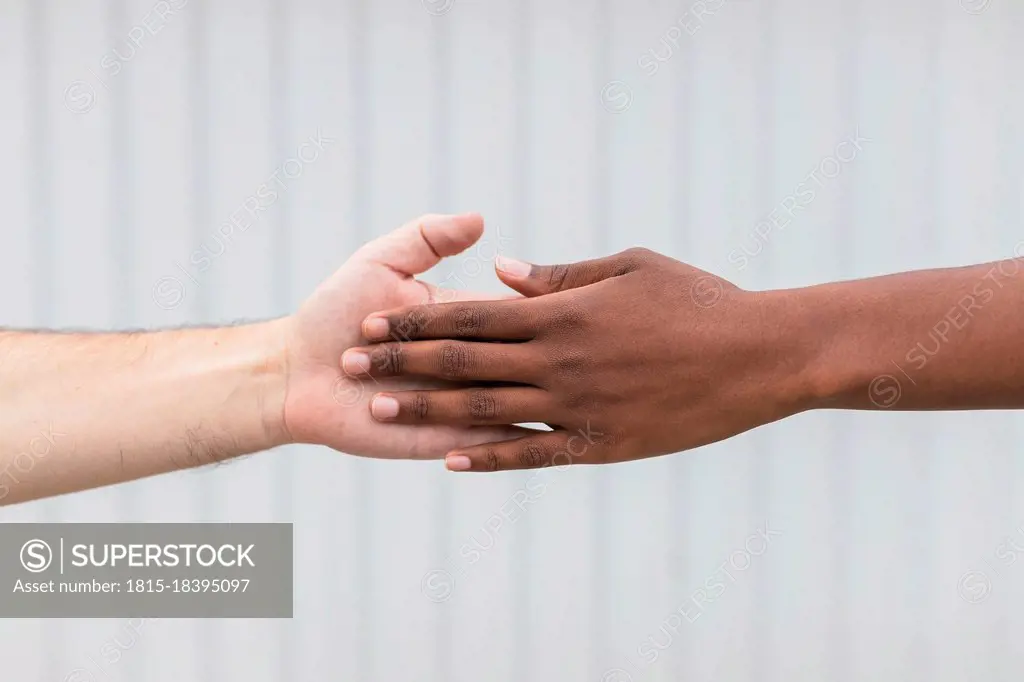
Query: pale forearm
point(84, 410)
point(934, 339)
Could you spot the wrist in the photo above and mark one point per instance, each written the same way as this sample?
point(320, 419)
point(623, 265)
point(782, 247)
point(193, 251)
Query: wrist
point(800, 340)
point(780, 356)
point(836, 362)
point(269, 370)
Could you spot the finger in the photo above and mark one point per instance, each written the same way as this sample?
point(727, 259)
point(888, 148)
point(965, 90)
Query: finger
point(491, 321)
point(448, 360)
point(546, 449)
point(443, 295)
point(537, 280)
point(430, 441)
point(420, 244)
point(471, 407)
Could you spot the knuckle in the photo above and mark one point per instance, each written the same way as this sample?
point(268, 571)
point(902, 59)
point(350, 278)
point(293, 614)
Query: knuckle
point(571, 364)
point(491, 461)
point(557, 276)
point(576, 399)
point(454, 360)
point(467, 321)
point(409, 324)
point(632, 258)
point(419, 408)
point(388, 359)
point(567, 316)
point(532, 455)
point(603, 444)
point(637, 253)
point(425, 220)
point(482, 405)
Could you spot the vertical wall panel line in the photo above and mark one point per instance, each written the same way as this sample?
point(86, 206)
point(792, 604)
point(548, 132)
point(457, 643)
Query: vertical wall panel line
point(122, 193)
point(45, 280)
point(600, 518)
point(764, 464)
point(122, 231)
point(362, 135)
point(523, 541)
point(441, 197)
point(840, 468)
point(42, 107)
point(680, 483)
point(281, 276)
point(206, 634)
point(280, 104)
point(1009, 198)
point(925, 541)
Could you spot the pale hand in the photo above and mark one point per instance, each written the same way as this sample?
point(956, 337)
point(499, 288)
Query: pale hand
point(324, 405)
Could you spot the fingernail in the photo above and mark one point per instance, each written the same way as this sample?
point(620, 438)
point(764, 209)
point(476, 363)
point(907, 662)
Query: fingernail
point(375, 327)
point(513, 267)
point(355, 362)
point(384, 407)
point(457, 463)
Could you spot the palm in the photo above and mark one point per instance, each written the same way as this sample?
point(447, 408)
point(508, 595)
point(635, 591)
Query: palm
point(326, 406)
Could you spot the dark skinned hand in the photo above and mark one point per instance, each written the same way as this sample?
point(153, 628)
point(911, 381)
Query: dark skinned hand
point(624, 357)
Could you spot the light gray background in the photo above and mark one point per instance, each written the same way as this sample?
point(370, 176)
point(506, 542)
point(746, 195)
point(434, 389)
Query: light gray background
point(496, 106)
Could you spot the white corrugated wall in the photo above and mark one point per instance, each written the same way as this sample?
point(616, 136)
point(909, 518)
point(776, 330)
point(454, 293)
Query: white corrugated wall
point(546, 117)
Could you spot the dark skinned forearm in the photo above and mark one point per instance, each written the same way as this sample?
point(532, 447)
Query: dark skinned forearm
point(929, 340)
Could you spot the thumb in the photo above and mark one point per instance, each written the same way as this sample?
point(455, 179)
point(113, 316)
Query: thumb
point(420, 244)
point(537, 280)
